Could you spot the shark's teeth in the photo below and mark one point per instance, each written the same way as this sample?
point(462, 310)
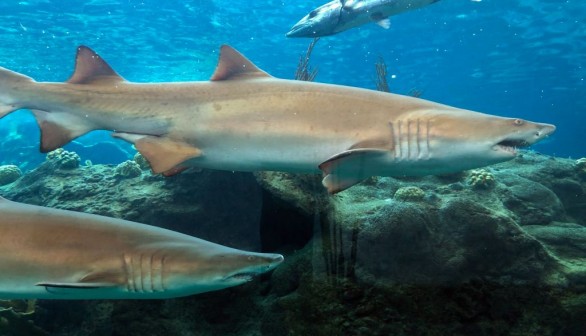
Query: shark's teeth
point(510, 149)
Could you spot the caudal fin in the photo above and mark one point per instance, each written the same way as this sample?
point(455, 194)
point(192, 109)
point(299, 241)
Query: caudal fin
point(10, 83)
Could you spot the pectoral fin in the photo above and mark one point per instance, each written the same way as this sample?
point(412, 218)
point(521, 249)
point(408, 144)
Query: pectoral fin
point(349, 168)
point(92, 280)
point(64, 288)
point(334, 183)
point(163, 154)
point(76, 285)
point(383, 22)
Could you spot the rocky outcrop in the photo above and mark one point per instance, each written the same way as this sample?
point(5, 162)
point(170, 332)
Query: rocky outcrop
point(440, 255)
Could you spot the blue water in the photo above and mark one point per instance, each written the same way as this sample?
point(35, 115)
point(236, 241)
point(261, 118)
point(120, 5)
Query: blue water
point(517, 58)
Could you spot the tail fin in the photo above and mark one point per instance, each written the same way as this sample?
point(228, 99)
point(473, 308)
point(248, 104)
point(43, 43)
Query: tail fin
point(10, 83)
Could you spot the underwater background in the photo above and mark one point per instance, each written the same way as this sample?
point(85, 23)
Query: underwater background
point(494, 251)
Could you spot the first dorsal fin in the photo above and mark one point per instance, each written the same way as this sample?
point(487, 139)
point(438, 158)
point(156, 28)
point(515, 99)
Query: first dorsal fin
point(233, 65)
point(90, 68)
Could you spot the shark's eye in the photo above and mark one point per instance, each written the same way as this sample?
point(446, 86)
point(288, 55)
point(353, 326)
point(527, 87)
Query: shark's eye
point(250, 257)
point(518, 122)
point(313, 13)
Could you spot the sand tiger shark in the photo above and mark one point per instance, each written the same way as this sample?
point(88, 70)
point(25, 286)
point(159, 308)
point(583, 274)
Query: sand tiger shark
point(57, 254)
point(243, 119)
point(340, 15)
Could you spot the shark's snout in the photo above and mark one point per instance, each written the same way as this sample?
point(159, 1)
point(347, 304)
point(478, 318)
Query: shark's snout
point(525, 134)
point(277, 259)
point(257, 264)
point(545, 131)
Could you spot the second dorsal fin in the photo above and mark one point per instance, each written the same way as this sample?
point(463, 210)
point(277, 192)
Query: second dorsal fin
point(233, 65)
point(90, 68)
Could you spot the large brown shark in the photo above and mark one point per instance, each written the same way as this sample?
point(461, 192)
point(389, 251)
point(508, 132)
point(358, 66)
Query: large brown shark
point(57, 254)
point(246, 120)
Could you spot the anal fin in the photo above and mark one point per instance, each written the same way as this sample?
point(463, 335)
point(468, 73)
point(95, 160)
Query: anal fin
point(59, 128)
point(165, 155)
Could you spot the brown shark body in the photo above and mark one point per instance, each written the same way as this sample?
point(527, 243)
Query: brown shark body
point(57, 254)
point(246, 120)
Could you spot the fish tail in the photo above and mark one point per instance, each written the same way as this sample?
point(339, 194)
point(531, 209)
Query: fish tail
point(10, 84)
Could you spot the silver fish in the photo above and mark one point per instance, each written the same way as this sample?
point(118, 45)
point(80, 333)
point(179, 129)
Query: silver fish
point(340, 15)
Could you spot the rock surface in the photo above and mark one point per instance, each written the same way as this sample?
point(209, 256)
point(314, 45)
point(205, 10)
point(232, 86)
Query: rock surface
point(454, 259)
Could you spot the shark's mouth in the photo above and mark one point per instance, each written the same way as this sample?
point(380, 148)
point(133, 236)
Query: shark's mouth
point(511, 145)
point(244, 276)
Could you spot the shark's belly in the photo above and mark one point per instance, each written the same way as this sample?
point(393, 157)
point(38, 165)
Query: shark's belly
point(268, 153)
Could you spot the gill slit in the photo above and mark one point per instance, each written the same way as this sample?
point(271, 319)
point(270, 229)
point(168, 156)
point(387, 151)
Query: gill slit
point(408, 139)
point(418, 138)
point(151, 273)
point(393, 140)
point(142, 269)
point(130, 286)
point(427, 141)
point(400, 152)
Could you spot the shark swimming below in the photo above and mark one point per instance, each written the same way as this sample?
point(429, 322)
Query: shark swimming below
point(246, 120)
point(57, 254)
point(340, 15)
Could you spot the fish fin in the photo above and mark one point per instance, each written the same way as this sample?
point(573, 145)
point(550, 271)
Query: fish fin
point(347, 4)
point(174, 171)
point(353, 156)
point(345, 169)
point(90, 68)
point(163, 154)
point(64, 288)
point(334, 183)
point(76, 285)
point(233, 65)
point(384, 22)
point(93, 280)
point(59, 128)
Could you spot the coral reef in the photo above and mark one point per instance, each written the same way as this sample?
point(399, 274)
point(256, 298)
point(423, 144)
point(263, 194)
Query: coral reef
point(481, 179)
point(64, 159)
point(14, 318)
point(141, 161)
point(9, 174)
point(509, 259)
point(128, 169)
point(581, 167)
point(409, 194)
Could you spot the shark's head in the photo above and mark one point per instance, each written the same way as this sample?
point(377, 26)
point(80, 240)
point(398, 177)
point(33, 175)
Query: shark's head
point(214, 267)
point(321, 21)
point(470, 139)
